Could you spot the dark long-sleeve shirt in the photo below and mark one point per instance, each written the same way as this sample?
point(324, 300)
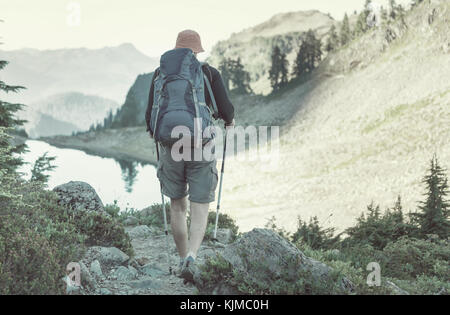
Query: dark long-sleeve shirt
point(224, 105)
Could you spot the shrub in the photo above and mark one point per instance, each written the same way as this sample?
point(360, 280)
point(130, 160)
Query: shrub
point(151, 216)
point(217, 270)
point(314, 235)
point(410, 258)
point(225, 222)
point(29, 262)
point(47, 236)
point(379, 229)
point(103, 231)
point(113, 209)
point(272, 225)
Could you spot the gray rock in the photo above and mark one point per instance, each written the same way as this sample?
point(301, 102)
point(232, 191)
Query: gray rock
point(263, 255)
point(96, 269)
point(148, 211)
point(87, 281)
point(125, 274)
point(395, 289)
point(79, 196)
point(109, 256)
point(104, 291)
point(144, 284)
point(142, 261)
point(224, 236)
point(131, 221)
point(141, 231)
point(152, 271)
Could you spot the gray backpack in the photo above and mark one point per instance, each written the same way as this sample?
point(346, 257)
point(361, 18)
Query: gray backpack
point(179, 97)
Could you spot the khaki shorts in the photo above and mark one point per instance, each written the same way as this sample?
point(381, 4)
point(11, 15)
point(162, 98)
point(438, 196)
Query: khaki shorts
point(198, 179)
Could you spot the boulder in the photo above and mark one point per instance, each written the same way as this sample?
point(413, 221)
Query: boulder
point(87, 281)
point(131, 221)
point(395, 289)
point(96, 269)
point(142, 260)
point(141, 231)
point(104, 291)
point(262, 255)
point(224, 236)
point(79, 196)
point(109, 256)
point(152, 271)
point(125, 274)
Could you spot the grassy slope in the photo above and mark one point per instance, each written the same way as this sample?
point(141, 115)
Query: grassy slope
point(359, 135)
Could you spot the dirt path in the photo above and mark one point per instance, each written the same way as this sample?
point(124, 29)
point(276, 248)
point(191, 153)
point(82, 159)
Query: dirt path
point(152, 269)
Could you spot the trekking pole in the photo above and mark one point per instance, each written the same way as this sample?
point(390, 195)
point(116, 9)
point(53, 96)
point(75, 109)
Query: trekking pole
point(166, 230)
point(220, 185)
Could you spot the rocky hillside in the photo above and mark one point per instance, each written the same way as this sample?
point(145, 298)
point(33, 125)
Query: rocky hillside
point(108, 270)
point(364, 128)
point(254, 45)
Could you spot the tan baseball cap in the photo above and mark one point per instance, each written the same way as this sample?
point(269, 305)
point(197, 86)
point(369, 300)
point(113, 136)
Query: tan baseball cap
point(189, 39)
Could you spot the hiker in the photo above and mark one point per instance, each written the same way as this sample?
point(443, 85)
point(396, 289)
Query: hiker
point(179, 179)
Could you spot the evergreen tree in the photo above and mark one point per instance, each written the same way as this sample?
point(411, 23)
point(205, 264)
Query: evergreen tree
point(309, 55)
point(240, 78)
point(9, 123)
point(275, 70)
point(392, 9)
point(300, 64)
point(433, 216)
point(224, 68)
point(42, 165)
point(401, 14)
point(333, 40)
point(233, 72)
point(284, 66)
point(345, 35)
point(416, 2)
point(383, 16)
point(314, 51)
point(314, 235)
point(361, 24)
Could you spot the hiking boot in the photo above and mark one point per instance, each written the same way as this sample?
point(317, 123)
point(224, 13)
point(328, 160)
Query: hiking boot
point(188, 269)
point(177, 271)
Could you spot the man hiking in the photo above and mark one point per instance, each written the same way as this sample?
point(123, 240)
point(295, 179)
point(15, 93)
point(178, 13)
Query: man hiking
point(180, 96)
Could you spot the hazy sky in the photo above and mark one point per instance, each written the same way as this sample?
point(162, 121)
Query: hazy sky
point(151, 25)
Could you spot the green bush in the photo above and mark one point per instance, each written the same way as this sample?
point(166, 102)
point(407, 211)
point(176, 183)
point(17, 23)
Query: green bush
point(29, 262)
point(113, 209)
point(47, 236)
point(411, 258)
point(152, 216)
point(217, 270)
point(225, 222)
point(314, 235)
point(377, 229)
point(101, 230)
point(272, 225)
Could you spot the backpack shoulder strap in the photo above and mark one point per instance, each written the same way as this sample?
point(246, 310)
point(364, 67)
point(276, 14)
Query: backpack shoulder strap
point(211, 94)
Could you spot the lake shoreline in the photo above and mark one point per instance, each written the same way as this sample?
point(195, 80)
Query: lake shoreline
point(129, 144)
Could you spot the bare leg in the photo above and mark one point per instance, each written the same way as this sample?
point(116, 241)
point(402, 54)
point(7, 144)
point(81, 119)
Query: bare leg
point(179, 225)
point(199, 220)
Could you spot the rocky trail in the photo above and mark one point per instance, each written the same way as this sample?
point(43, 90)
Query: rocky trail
point(258, 258)
point(108, 271)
